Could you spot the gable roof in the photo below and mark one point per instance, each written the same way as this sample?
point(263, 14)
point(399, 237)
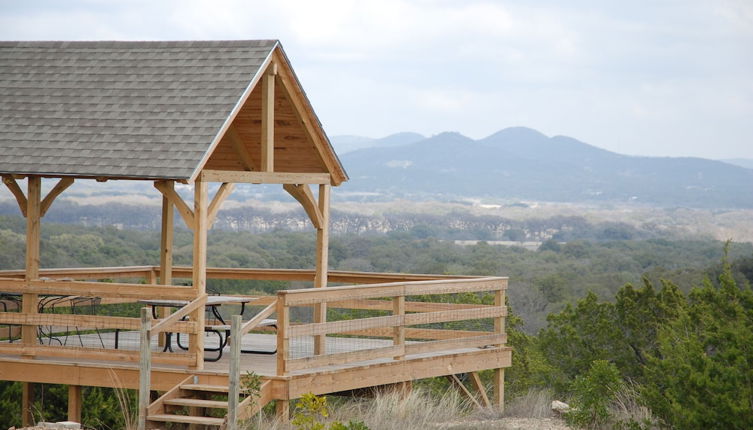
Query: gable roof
point(137, 110)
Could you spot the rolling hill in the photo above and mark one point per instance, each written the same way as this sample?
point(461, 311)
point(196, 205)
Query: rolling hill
point(521, 163)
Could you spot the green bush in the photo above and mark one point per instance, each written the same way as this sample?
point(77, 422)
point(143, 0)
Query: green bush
point(593, 394)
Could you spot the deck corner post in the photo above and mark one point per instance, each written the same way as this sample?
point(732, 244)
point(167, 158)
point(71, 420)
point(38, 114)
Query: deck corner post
point(74, 403)
point(398, 335)
point(235, 370)
point(283, 340)
point(322, 264)
point(499, 374)
point(196, 340)
point(145, 367)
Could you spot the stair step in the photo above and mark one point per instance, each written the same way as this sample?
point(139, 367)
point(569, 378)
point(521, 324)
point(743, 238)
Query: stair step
point(204, 387)
point(199, 403)
point(186, 419)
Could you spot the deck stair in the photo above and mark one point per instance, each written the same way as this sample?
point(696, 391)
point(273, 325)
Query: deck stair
point(191, 397)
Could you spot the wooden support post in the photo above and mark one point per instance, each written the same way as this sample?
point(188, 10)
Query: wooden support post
point(235, 373)
point(33, 219)
point(398, 333)
point(268, 120)
point(196, 340)
point(282, 409)
point(322, 262)
point(166, 251)
point(463, 390)
point(283, 341)
point(145, 367)
point(27, 401)
point(74, 403)
point(499, 374)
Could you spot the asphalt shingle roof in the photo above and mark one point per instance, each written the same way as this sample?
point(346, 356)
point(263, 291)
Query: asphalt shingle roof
point(119, 109)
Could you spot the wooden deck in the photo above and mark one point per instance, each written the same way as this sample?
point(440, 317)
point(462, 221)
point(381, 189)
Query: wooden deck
point(377, 333)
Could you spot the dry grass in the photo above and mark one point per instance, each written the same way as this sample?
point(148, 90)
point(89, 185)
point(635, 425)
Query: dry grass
point(627, 408)
point(391, 411)
point(536, 403)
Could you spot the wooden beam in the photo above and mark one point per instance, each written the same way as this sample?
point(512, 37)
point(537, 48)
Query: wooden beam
point(398, 332)
point(240, 148)
point(27, 401)
point(264, 177)
point(167, 188)
point(459, 384)
point(268, 119)
point(12, 185)
point(97, 289)
point(145, 368)
point(61, 186)
point(33, 220)
point(476, 382)
point(219, 198)
point(176, 316)
point(302, 193)
point(196, 341)
point(74, 403)
point(283, 337)
point(166, 255)
point(84, 321)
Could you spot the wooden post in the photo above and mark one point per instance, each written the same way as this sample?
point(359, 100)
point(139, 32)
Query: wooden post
point(322, 262)
point(29, 304)
point(268, 120)
point(166, 251)
point(499, 374)
point(145, 367)
point(282, 409)
point(235, 373)
point(27, 400)
point(196, 340)
point(283, 322)
point(74, 403)
point(398, 334)
point(33, 219)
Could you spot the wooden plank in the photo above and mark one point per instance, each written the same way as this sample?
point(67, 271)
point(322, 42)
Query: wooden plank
point(383, 305)
point(30, 303)
point(454, 315)
point(167, 188)
point(418, 333)
point(453, 344)
point(84, 321)
point(145, 368)
point(250, 405)
point(98, 289)
point(264, 177)
point(313, 295)
point(480, 388)
point(84, 353)
point(173, 393)
point(58, 189)
point(302, 193)
point(167, 323)
point(12, 185)
point(268, 119)
point(84, 272)
point(240, 149)
point(344, 357)
point(390, 372)
point(196, 340)
point(219, 198)
point(259, 318)
point(334, 327)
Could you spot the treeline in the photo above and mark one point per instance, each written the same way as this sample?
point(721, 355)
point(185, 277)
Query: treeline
point(455, 225)
point(664, 320)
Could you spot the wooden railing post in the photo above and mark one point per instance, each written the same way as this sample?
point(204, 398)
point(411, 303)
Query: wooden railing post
point(235, 371)
point(499, 374)
point(283, 341)
point(398, 335)
point(145, 367)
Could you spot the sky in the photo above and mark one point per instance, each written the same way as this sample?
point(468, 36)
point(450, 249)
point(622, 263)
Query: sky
point(660, 78)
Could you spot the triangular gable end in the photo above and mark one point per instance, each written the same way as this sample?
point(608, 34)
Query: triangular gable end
point(300, 144)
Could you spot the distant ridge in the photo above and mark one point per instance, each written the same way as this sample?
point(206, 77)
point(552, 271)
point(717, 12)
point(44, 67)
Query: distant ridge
point(347, 143)
point(522, 163)
point(742, 162)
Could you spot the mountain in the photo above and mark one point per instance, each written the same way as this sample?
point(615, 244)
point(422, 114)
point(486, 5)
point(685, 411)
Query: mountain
point(742, 162)
point(521, 163)
point(347, 143)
